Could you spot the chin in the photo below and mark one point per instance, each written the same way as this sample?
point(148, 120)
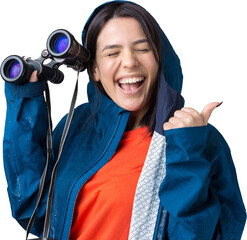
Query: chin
point(132, 108)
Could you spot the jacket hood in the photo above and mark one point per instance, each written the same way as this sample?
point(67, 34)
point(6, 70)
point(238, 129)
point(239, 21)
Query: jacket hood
point(171, 79)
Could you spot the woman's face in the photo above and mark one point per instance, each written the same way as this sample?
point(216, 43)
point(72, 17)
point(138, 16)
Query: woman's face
point(125, 64)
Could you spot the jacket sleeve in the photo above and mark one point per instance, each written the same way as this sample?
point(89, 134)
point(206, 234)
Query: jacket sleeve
point(200, 190)
point(24, 149)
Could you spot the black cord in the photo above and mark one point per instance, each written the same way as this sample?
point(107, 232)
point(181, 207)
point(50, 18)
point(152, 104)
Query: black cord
point(47, 221)
point(48, 157)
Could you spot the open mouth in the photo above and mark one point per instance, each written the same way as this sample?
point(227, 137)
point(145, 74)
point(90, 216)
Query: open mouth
point(130, 84)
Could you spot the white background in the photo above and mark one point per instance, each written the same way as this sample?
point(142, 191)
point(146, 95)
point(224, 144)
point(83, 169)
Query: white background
point(209, 36)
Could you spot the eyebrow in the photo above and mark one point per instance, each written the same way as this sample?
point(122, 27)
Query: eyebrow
point(140, 41)
point(111, 46)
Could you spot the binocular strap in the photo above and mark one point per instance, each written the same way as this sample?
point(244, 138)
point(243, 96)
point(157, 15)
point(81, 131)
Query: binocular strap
point(54, 171)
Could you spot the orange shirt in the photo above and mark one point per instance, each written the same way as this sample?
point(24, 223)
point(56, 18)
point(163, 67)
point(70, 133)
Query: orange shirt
point(104, 204)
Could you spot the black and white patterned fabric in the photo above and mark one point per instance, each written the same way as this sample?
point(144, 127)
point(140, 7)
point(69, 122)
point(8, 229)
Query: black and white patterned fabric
point(146, 201)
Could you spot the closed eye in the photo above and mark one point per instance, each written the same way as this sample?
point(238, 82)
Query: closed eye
point(142, 50)
point(113, 54)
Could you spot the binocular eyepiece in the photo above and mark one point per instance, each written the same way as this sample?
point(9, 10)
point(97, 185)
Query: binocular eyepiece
point(62, 48)
point(62, 45)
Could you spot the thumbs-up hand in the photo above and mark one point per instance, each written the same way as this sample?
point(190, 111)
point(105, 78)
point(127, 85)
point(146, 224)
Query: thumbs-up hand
point(189, 117)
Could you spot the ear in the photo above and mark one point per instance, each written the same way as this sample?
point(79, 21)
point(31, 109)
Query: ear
point(96, 72)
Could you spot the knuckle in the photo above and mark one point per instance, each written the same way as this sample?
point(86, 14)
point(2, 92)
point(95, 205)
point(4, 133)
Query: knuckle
point(171, 119)
point(189, 119)
point(166, 126)
point(177, 112)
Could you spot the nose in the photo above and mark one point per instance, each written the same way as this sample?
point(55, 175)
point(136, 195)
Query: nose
point(129, 59)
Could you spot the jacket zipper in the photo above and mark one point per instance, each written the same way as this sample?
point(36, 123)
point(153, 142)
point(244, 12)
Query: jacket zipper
point(103, 154)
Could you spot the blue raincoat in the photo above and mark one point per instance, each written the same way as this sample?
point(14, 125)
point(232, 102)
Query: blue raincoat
point(194, 193)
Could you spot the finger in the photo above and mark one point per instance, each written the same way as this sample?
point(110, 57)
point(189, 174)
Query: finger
point(186, 114)
point(34, 77)
point(191, 111)
point(182, 122)
point(168, 126)
point(190, 117)
point(207, 111)
point(173, 120)
point(181, 114)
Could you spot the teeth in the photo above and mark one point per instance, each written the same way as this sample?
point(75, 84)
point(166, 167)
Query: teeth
point(131, 80)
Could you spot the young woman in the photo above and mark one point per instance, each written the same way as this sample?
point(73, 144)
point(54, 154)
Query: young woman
point(136, 164)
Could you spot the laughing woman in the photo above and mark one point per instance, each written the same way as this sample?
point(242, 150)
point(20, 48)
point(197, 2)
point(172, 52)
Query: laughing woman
point(136, 163)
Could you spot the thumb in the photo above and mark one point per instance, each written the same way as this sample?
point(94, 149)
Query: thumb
point(208, 109)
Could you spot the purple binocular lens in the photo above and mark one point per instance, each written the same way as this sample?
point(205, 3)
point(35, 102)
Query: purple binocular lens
point(61, 44)
point(15, 69)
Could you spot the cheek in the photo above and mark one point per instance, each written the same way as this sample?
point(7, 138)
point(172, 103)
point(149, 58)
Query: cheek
point(106, 67)
point(153, 70)
point(106, 73)
point(150, 64)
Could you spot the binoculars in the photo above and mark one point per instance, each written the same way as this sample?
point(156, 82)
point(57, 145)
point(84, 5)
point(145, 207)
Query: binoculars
point(62, 48)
